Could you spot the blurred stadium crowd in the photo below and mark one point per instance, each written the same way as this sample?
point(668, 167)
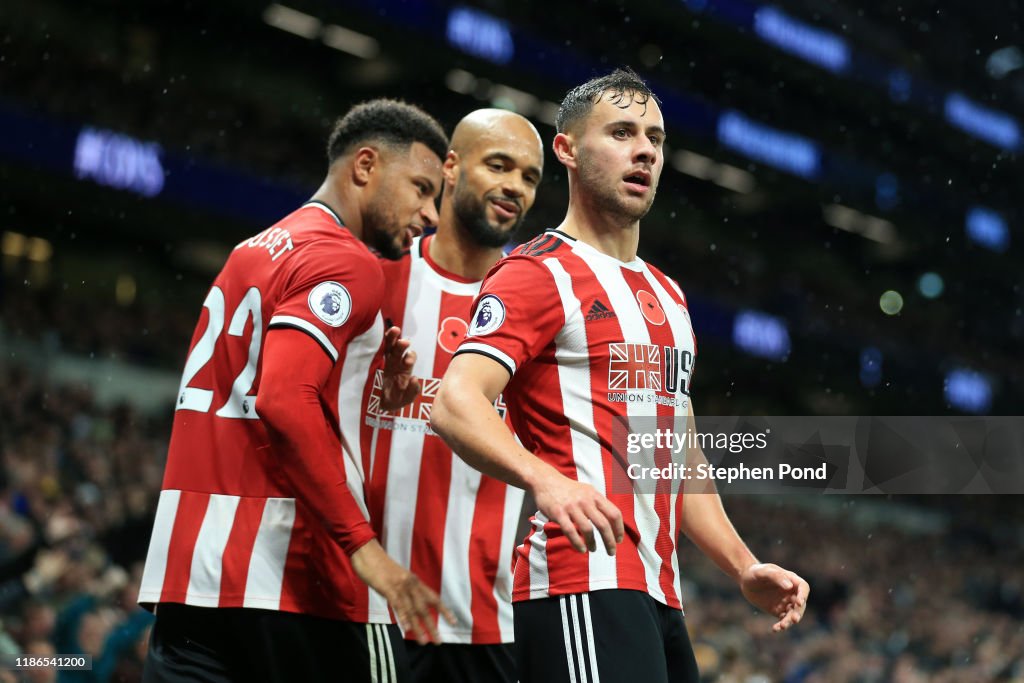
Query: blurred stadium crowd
point(894, 599)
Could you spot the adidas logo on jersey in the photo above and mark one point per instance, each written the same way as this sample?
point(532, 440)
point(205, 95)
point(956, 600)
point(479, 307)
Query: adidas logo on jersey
point(598, 311)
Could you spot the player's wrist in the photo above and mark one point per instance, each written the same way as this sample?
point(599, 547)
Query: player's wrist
point(535, 476)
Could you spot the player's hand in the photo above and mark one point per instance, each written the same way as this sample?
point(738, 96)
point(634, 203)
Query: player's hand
point(580, 510)
point(777, 591)
point(413, 602)
point(400, 385)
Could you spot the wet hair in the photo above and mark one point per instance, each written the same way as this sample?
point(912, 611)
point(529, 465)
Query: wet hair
point(625, 86)
point(387, 122)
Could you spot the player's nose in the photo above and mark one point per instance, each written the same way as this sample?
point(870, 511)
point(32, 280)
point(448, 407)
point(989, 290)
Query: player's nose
point(429, 213)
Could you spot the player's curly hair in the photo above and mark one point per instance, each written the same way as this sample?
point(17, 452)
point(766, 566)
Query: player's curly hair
point(625, 86)
point(387, 122)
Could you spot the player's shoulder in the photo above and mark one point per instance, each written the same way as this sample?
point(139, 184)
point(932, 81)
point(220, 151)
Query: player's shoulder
point(548, 244)
point(322, 248)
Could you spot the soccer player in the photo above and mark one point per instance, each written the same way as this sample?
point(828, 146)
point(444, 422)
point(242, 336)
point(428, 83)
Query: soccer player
point(261, 545)
point(450, 525)
point(583, 337)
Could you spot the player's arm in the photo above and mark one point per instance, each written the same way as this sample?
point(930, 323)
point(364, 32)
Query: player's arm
point(464, 416)
point(768, 587)
point(295, 369)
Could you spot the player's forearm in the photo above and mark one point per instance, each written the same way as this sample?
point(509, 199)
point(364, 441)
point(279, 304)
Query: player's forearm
point(705, 523)
point(466, 419)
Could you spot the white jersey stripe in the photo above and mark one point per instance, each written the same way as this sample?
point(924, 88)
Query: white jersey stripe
point(623, 302)
point(568, 640)
point(309, 328)
point(572, 355)
point(156, 560)
point(354, 376)
point(458, 528)
point(208, 556)
point(503, 579)
point(269, 553)
point(682, 333)
point(538, 557)
point(422, 304)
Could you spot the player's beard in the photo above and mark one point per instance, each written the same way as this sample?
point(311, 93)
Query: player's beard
point(471, 213)
point(377, 222)
point(604, 190)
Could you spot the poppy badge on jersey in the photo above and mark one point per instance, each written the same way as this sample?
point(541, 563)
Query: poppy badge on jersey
point(490, 314)
point(331, 302)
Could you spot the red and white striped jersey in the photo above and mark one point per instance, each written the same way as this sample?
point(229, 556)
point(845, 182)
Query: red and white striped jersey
point(588, 339)
point(450, 525)
point(230, 529)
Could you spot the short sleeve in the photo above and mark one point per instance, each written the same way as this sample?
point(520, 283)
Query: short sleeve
point(333, 293)
point(517, 313)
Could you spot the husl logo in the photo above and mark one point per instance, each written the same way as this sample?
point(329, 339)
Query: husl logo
point(633, 367)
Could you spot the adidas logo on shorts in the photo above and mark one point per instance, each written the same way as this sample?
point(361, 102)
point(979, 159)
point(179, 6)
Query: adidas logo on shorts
point(598, 311)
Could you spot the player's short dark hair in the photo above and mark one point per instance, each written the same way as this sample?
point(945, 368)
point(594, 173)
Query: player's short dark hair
point(623, 84)
point(388, 122)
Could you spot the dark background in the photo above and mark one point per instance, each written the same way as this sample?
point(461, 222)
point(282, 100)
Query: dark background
point(821, 154)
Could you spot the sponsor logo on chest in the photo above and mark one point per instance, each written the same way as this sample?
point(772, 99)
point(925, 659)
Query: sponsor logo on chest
point(646, 373)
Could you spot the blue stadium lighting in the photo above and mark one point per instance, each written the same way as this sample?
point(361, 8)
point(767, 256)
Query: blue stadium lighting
point(987, 228)
point(931, 285)
point(762, 335)
point(968, 391)
point(870, 367)
point(786, 151)
point(814, 45)
point(900, 85)
point(887, 191)
point(119, 161)
point(480, 34)
point(990, 125)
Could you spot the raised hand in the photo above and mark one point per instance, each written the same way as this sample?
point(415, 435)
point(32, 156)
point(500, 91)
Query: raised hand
point(400, 385)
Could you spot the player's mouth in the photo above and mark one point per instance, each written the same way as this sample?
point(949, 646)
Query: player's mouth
point(506, 209)
point(638, 181)
point(410, 233)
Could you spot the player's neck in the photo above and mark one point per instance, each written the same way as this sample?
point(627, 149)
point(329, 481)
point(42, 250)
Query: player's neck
point(605, 232)
point(333, 197)
point(458, 254)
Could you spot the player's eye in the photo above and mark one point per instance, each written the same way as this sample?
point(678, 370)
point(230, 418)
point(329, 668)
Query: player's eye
point(621, 133)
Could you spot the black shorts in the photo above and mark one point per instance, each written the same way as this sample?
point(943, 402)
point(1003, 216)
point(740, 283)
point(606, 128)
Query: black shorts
point(611, 636)
point(457, 663)
point(254, 645)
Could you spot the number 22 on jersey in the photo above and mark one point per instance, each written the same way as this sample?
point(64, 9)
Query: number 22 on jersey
point(239, 404)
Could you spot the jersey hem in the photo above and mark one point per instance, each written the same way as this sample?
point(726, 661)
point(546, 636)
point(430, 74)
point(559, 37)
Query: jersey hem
point(466, 638)
point(149, 600)
point(590, 587)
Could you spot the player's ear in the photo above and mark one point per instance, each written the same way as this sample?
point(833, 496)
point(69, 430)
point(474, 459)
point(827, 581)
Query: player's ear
point(364, 163)
point(565, 150)
point(450, 169)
